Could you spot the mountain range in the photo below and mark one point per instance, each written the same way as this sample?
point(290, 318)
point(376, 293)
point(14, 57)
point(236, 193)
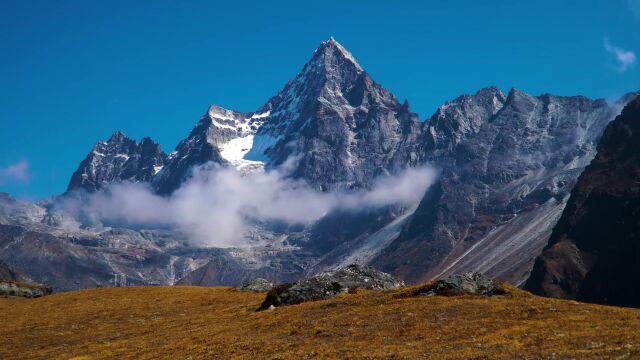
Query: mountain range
point(506, 164)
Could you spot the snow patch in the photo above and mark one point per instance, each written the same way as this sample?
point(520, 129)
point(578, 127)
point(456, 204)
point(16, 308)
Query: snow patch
point(260, 116)
point(260, 144)
point(221, 125)
point(235, 150)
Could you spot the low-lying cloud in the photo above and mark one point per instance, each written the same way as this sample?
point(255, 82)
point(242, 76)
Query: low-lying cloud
point(218, 204)
point(625, 59)
point(18, 172)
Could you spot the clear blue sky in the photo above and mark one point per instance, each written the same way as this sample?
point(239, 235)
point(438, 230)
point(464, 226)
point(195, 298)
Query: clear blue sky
point(72, 72)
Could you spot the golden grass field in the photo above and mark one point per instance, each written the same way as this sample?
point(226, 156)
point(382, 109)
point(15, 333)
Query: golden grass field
point(218, 322)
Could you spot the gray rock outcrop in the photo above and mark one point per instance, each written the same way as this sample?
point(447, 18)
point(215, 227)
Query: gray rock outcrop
point(115, 160)
point(17, 289)
point(329, 284)
point(508, 164)
point(470, 283)
point(257, 285)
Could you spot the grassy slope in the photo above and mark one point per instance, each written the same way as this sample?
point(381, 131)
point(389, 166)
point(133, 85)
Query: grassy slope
point(200, 322)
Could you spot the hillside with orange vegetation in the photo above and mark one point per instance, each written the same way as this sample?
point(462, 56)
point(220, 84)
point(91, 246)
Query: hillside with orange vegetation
point(217, 322)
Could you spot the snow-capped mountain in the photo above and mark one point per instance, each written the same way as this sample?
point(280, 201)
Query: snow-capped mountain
point(118, 159)
point(341, 127)
point(221, 136)
point(506, 162)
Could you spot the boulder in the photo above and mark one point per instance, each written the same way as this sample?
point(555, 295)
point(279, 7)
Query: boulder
point(257, 285)
point(329, 284)
point(472, 283)
point(18, 289)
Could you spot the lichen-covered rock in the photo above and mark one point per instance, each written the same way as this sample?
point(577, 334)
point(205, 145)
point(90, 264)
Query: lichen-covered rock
point(329, 284)
point(473, 283)
point(10, 288)
point(257, 285)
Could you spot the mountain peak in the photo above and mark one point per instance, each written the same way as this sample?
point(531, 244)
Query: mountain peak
point(331, 49)
point(117, 136)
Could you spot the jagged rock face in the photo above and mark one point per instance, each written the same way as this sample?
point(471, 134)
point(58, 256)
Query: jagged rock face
point(115, 160)
point(340, 128)
point(221, 137)
point(501, 159)
point(594, 252)
point(329, 284)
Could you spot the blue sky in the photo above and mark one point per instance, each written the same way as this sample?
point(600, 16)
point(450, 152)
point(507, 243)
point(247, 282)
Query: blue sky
point(73, 72)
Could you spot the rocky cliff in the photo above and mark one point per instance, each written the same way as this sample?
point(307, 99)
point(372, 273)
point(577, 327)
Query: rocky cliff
point(115, 160)
point(507, 166)
point(594, 252)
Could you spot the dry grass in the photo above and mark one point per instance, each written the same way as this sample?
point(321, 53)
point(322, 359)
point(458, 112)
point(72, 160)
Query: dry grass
point(200, 322)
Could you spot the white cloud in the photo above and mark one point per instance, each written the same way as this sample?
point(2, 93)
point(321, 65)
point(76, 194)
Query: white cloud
point(18, 172)
point(217, 205)
point(624, 58)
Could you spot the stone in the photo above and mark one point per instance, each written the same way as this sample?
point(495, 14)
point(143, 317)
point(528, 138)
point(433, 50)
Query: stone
point(329, 284)
point(257, 285)
point(10, 288)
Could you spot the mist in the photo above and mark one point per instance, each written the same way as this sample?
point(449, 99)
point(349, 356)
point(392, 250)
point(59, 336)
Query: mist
point(215, 207)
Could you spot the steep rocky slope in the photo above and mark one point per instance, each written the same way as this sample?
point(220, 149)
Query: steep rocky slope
point(115, 160)
point(221, 137)
point(342, 128)
point(338, 127)
point(594, 252)
point(502, 159)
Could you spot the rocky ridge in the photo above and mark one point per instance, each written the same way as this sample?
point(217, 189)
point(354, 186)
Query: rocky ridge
point(593, 253)
point(115, 160)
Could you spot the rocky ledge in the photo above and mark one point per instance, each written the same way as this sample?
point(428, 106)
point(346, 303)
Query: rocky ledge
point(329, 284)
point(469, 283)
point(18, 289)
point(257, 285)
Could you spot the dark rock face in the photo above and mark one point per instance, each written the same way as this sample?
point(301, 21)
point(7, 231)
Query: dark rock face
point(6, 274)
point(341, 127)
point(593, 254)
point(203, 144)
point(329, 284)
point(118, 159)
point(470, 283)
point(257, 285)
point(10, 288)
point(13, 285)
point(501, 159)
